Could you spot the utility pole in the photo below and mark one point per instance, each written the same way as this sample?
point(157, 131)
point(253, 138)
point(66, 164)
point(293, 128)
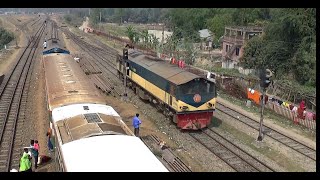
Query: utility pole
point(89, 11)
point(260, 137)
point(162, 40)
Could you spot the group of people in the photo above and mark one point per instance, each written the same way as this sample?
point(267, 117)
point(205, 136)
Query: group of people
point(32, 152)
point(299, 111)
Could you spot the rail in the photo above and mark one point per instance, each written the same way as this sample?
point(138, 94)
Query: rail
point(272, 133)
point(10, 101)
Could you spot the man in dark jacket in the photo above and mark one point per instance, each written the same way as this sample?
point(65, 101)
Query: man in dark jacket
point(136, 123)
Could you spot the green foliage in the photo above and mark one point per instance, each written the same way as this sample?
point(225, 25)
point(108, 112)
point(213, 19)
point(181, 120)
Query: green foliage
point(73, 19)
point(67, 18)
point(131, 33)
point(305, 90)
point(5, 37)
point(218, 23)
point(288, 46)
point(95, 15)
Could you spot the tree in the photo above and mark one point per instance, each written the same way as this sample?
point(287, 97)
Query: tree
point(131, 33)
point(119, 14)
point(218, 23)
point(95, 16)
point(288, 46)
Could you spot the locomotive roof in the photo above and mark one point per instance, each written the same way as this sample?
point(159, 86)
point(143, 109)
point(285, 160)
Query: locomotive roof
point(55, 44)
point(66, 83)
point(171, 72)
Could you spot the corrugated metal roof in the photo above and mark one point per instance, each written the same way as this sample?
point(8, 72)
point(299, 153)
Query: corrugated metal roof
point(204, 33)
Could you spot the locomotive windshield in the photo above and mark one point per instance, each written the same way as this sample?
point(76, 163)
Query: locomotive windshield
point(197, 86)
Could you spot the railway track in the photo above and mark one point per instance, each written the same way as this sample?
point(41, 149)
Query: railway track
point(229, 152)
point(272, 133)
point(102, 64)
point(171, 161)
point(12, 100)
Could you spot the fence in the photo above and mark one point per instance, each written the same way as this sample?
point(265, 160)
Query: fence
point(309, 123)
point(125, 41)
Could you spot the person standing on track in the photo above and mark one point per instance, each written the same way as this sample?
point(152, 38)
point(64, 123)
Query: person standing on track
point(136, 123)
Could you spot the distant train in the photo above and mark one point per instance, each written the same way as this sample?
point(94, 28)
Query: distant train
point(89, 135)
point(188, 99)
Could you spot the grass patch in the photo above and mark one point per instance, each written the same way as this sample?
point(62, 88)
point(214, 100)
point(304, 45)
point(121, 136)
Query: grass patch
point(114, 29)
point(277, 119)
point(272, 154)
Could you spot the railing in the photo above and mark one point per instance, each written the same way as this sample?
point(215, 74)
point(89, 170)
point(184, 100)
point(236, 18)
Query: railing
point(237, 39)
point(309, 123)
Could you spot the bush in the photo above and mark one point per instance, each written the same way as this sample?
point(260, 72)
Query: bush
point(5, 37)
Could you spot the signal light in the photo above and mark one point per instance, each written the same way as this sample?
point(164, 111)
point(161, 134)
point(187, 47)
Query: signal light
point(265, 78)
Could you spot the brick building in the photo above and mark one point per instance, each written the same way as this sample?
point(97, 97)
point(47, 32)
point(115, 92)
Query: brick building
point(234, 40)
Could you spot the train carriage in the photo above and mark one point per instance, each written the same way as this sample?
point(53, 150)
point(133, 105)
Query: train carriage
point(89, 135)
point(55, 46)
point(185, 97)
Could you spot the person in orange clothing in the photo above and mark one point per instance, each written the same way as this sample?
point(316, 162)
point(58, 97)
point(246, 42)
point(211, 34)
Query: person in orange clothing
point(254, 95)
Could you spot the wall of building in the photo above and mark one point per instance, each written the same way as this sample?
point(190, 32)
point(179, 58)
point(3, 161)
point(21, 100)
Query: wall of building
point(234, 56)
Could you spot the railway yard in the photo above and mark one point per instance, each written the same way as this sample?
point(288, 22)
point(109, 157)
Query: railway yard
point(227, 145)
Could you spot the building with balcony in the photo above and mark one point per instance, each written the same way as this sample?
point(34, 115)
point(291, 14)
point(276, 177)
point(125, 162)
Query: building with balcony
point(234, 40)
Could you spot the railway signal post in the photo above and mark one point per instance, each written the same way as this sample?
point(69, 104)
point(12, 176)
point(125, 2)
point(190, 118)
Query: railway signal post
point(260, 137)
point(265, 81)
point(125, 57)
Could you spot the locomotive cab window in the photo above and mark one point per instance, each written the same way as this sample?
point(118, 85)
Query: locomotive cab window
point(197, 86)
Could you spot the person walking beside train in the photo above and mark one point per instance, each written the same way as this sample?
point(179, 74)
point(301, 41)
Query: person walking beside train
point(136, 124)
point(50, 145)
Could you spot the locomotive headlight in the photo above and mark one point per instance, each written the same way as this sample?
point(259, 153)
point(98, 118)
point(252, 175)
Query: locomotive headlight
point(210, 105)
point(184, 107)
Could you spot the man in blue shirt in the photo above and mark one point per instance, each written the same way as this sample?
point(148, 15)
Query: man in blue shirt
point(136, 123)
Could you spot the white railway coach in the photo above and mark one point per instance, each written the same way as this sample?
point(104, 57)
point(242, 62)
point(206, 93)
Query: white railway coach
point(90, 136)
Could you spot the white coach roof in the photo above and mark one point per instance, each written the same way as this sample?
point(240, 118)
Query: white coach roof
point(64, 112)
point(110, 153)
